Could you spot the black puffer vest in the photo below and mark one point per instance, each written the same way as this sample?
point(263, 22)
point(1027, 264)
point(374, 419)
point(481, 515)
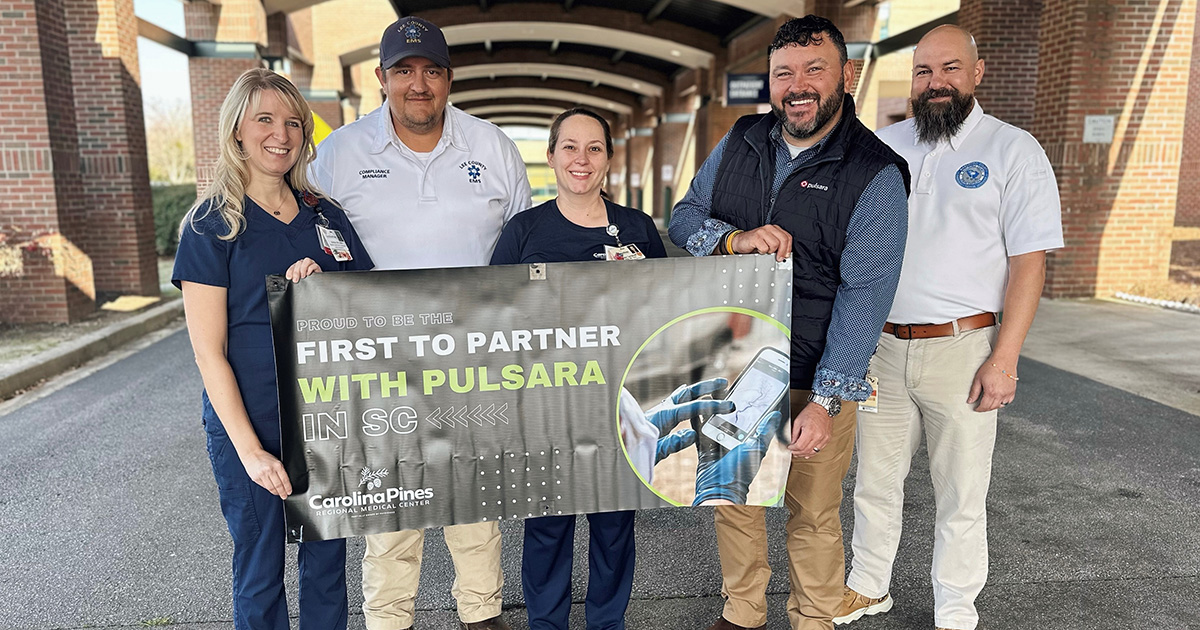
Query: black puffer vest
point(814, 205)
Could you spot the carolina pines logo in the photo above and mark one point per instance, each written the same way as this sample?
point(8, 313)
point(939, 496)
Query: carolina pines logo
point(381, 500)
point(474, 171)
point(372, 478)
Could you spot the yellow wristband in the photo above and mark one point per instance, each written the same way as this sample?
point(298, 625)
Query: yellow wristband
point(727, 245)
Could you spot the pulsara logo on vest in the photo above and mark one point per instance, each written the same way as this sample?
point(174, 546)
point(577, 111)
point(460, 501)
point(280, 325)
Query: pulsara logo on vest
point(808, 184)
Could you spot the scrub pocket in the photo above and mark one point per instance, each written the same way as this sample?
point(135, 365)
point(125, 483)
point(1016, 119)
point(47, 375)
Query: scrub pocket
point(233, 484)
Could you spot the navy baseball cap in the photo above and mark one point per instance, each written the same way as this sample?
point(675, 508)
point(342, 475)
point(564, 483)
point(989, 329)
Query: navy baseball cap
point(413, 37)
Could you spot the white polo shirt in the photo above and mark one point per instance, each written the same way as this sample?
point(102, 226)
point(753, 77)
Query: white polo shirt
point(441, 209)
point(985, 195)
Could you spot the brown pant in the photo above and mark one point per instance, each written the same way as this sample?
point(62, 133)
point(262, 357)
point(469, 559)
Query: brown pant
point(817, 561)
point(391, 569)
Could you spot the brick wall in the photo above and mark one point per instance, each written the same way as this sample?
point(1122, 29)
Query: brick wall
point(1187, 212)
point(345, 26)
point(1126, 59)
point(329, 111)
point(239, 21)
point(112, 146)
point(227, 21)
point(1010, 56)
point(47, 278)
point(210, 80)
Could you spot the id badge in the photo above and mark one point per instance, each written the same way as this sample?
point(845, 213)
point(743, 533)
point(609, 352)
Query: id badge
point(625, 252)
point(332, 243)
point(871, 404)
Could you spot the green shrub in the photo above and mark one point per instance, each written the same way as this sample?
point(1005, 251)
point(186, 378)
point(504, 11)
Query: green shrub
point(170, 204)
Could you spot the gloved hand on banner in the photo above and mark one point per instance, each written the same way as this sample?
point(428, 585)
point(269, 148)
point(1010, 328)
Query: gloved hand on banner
point(647, 436)
point(683, 405)
point(726, 474)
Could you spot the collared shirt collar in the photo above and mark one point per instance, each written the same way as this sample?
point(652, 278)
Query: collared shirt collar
point(781, 143)
point(385, 133)
point(969, 124)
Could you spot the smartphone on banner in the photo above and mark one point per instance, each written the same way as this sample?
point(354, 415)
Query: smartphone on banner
point(757, 392)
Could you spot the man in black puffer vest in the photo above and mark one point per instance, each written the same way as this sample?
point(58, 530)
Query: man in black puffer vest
point(809, 182)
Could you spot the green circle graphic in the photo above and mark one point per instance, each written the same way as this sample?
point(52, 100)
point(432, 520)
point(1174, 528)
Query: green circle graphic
point(714, 309)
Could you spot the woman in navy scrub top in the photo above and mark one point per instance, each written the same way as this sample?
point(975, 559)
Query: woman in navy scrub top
point(580, 224)
point(259, 216)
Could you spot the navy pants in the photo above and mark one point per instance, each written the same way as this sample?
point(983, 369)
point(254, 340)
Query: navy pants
point(546, 570)
point(255, 519)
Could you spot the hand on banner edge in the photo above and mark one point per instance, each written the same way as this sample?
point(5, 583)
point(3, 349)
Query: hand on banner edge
point(267, 471)
point(301, 269)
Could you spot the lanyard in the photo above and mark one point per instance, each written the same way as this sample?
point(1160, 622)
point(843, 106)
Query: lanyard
point(612, 229)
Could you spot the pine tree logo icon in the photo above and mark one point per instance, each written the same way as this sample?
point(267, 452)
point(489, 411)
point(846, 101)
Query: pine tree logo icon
point(371, 478)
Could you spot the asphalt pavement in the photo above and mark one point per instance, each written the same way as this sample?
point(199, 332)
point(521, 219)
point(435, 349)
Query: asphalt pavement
point(110, 519)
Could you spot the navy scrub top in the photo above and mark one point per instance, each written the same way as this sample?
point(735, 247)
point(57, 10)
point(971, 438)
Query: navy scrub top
point(543, 234)
point(267, 246)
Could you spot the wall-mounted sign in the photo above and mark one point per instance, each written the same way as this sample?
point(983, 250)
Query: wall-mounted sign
point(1098, 129)
point(746, 89)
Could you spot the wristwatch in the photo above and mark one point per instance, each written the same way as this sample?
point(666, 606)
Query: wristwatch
point(833, 406)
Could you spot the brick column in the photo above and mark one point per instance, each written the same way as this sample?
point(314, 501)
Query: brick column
point(328, 107)
point(229, 37)
point(1187, 213)
point(675, 132)
point(639, 153)
point(1128, 59)
point(45, 276)
point(618, 173)
point(856, 23)
point(1002, 32)
point(102, 36)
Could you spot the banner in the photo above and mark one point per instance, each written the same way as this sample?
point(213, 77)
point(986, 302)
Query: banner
point(432, 397)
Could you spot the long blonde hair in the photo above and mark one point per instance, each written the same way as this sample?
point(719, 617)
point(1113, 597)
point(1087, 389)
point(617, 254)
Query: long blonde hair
point(231, 175)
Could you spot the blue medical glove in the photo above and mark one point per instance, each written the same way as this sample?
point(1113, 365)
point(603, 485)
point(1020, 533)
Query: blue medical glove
point(682, 405)
point(726, 473)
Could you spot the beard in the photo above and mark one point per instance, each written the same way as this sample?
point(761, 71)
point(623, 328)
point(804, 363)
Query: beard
point(940, 121)
point(827, 108)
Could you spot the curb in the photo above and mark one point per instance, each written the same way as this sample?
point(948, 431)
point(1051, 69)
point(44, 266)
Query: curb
point(1167, 304)
point(53, 362)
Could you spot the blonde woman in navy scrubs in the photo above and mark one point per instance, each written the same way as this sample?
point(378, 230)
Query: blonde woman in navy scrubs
point(580, 224)
point(259, 216)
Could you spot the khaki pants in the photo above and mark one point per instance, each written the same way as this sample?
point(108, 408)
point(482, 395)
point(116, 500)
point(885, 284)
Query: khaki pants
point(816, 558)
point(923, 388)
point(391, 570)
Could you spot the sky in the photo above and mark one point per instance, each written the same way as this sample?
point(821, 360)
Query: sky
point(164, 71)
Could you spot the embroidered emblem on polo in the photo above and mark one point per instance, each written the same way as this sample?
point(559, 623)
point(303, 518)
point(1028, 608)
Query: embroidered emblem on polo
point(374, 173)
point(474, 171)
point(808, 184)
point(972, 175)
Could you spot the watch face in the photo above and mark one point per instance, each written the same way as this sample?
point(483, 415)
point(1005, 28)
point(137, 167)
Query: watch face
point(835, 407)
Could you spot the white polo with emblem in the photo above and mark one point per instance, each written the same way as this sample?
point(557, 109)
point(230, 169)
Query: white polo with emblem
point(985, 195)
point(415, 210)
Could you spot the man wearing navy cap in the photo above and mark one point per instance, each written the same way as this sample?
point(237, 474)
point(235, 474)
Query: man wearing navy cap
point(427, 186)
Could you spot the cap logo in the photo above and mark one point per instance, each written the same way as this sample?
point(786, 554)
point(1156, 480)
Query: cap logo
point(412, 32)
